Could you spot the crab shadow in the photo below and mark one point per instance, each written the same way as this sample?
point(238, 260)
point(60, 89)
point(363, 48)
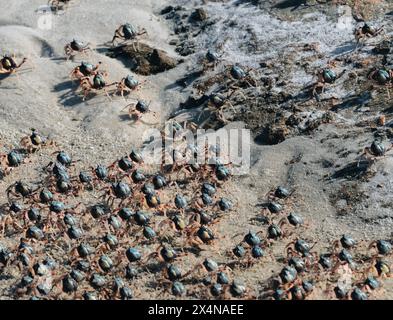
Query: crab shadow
point(70, 97)
point(4, 76)
point(357, 101)
point(125, 118)
point(353, 170)
point(294, 4)
point(5, 277)
point(59, 60)
point(240, 2)
point(388, 110)
point(347, 47)
point(185, 81)
point(260, 219)
point(133, 120)
point(105, 49)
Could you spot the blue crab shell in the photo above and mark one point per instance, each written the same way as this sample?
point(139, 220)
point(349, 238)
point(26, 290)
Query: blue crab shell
point(129, 31)
point(329, 75)
point(131, 82)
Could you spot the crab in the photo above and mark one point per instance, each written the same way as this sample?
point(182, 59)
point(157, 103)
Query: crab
point(125, 164)
point(210, 60)
point(300, 248)
point(324, 77)
point(35, 141)
point(57, 5)
point(127, 84)
point(380, 268)
point(341, 258)
point(346, 241)
point(85, 69)
point(108, 242)
point(118, 190)
point(172, 273)
point(251, 238)
point(8, 64)
point(204, 218)
point(276, 231)
point(127, 32)
point(176, 222)
point(238, 290)
point(9, 219)
point(137, 109)
point(74, 47)
point(210, 267)
point(367, 31)
point(376, 150)
point(296, 290)
point(165, 254)
point(382, 247)
point(177, 159)
point(12, 160)
point(369, 284)
point(233, 78)
point(280, 192)
point(382, 77)
point(198, 235)
point(241, 77)
point(217, 103)
point(152, 200)
point(296, 220)
point(98, 84)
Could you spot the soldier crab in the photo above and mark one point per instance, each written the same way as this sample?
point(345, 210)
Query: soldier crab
point(74, 47)
point(127, 32)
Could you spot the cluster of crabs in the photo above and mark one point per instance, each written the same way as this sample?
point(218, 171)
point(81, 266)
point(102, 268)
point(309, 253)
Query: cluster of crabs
point(93, 80)
point(380, 75)
point(224, 88)
point(347, 269)
point(89, 233)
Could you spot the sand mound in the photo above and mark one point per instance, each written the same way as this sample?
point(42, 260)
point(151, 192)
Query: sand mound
point(144, 59)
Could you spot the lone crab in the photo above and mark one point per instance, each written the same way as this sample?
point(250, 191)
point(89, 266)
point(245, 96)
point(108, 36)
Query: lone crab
point(210, 60)
point(127, 32)
point(217, 103)
point(127, 84)
point(137, 109)
point(74, 47)
point(326, 76)
point(382, 77)
point(8, 64)
point(376, 150)
point(367, 31)
point(35, 141)
point(57, 5)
